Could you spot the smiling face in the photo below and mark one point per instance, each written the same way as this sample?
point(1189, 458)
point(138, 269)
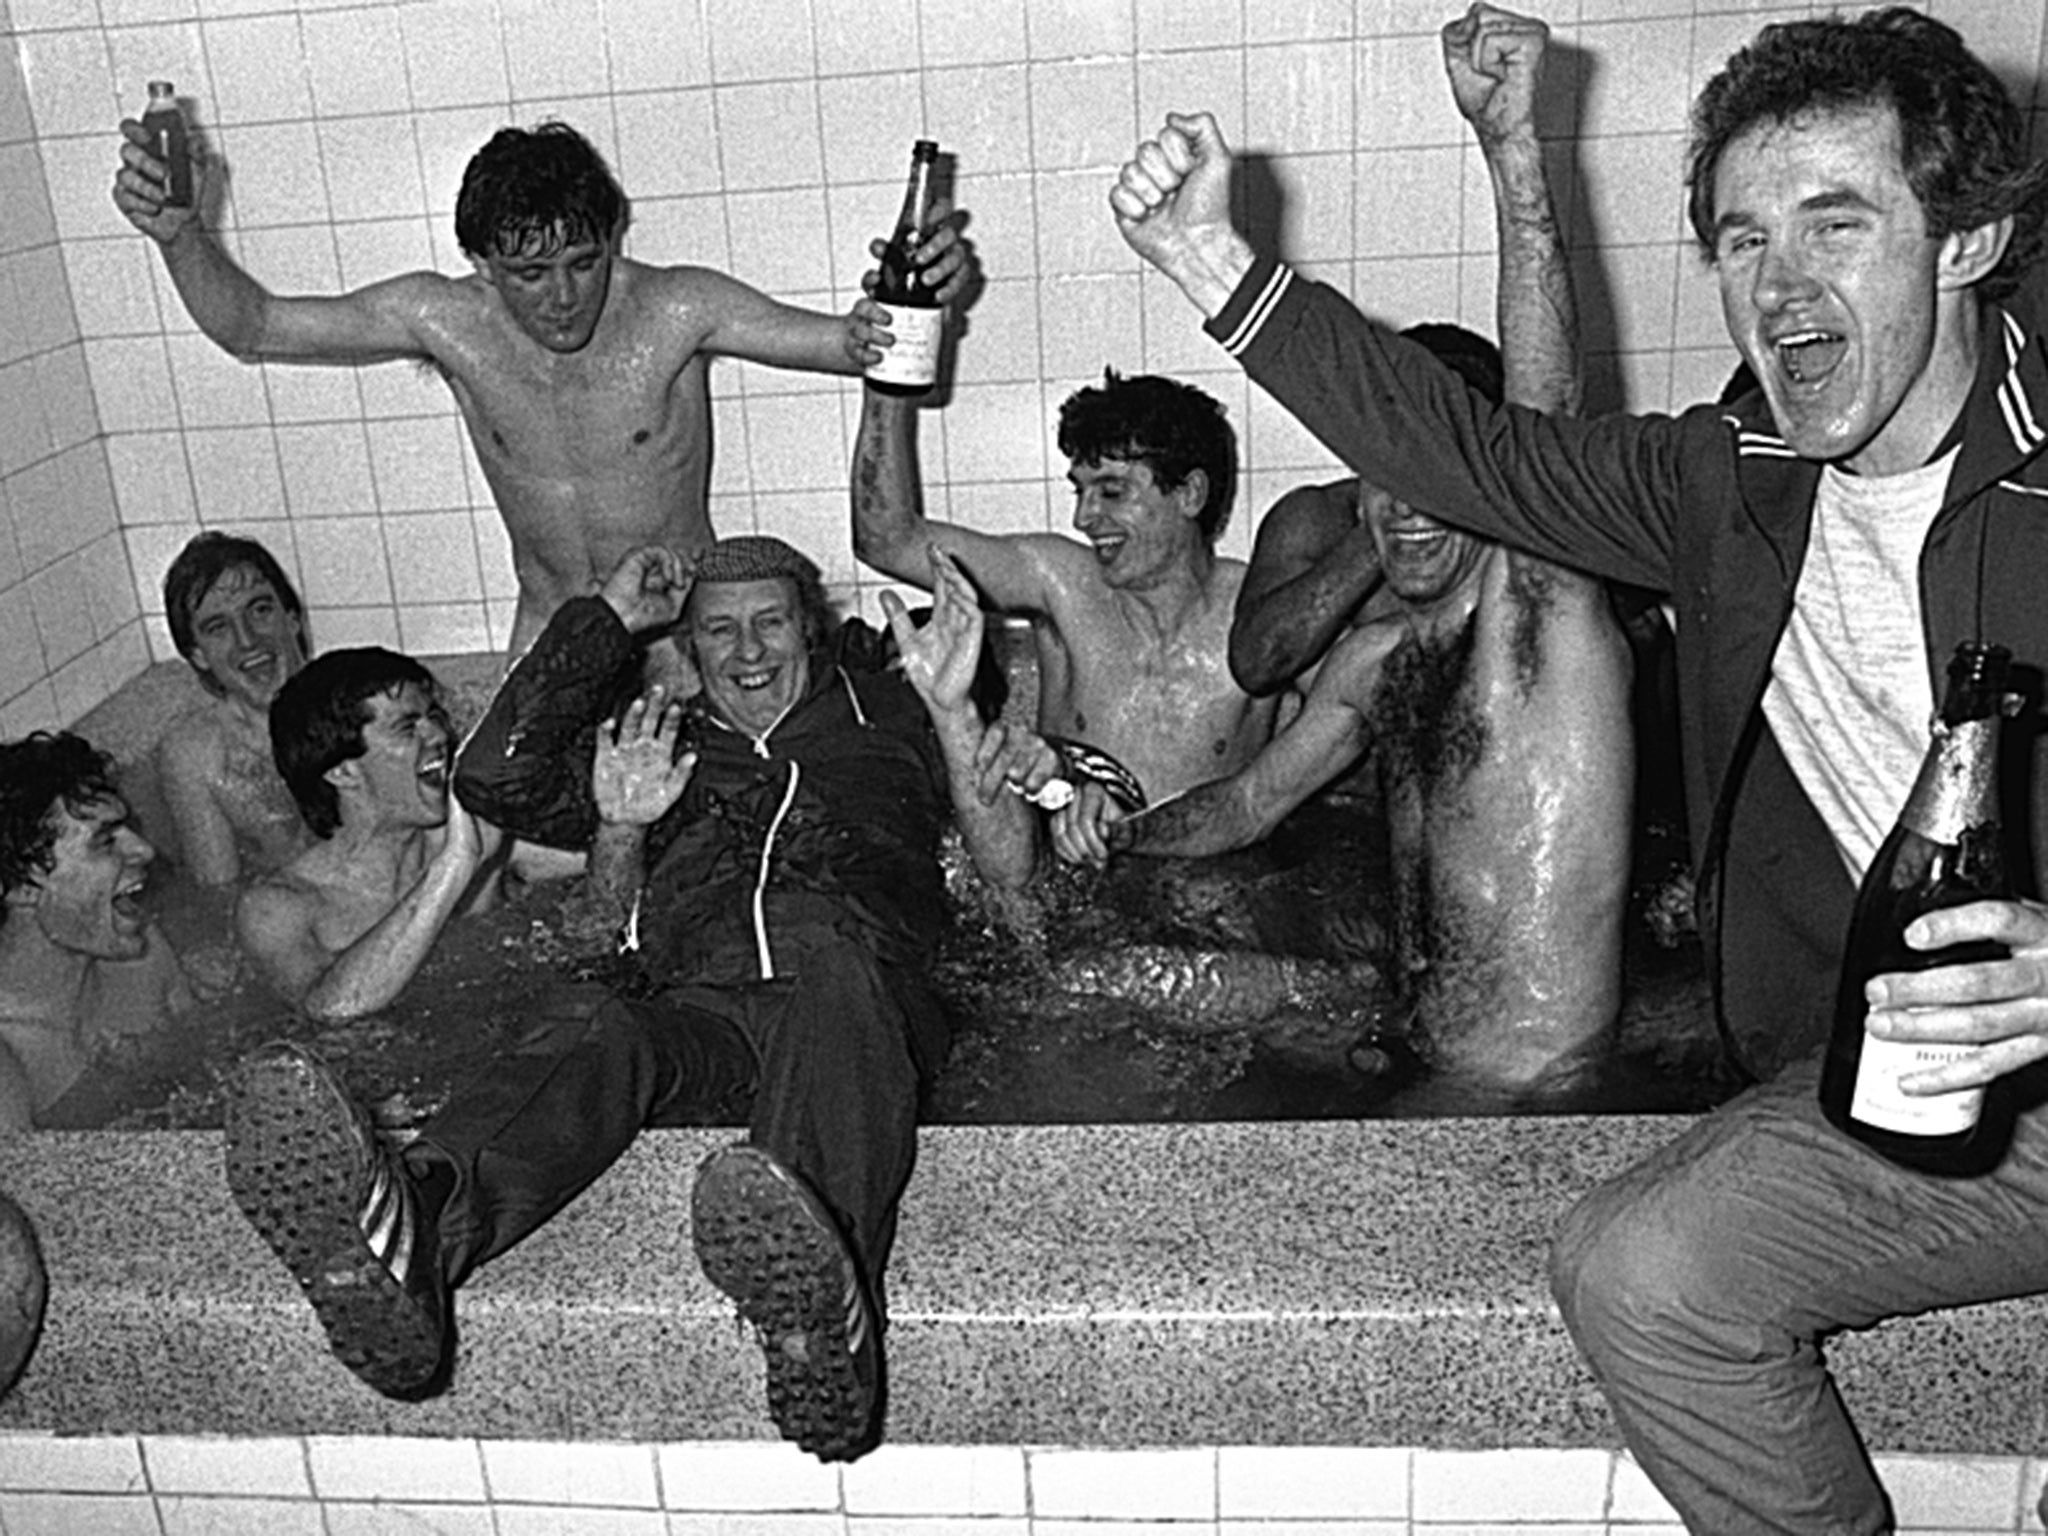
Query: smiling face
point(407, 748)
point(86, 902)
point(1835, 292)
point(751, 650)
point(245, 639)
point(555, 292)
point(1421, 560)
point(1139, 532)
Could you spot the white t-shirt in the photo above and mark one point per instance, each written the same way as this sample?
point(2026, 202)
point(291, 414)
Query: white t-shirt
point(1850, 699)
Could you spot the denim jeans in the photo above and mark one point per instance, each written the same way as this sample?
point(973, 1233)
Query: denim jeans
point(1700, 1283)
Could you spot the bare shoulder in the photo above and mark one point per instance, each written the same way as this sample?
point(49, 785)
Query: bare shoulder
point(193, 742)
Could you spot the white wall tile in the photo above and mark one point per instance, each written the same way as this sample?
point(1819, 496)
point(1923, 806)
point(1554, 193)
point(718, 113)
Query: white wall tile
point(1147, 1485)
point(235, 474)
point(27, 175)
point(990, 32)
point(540, 1472)
point(372, 168)
point(977, 1481)
point(859, 37)
point(417, 462)
point(1952, 1492)
point(657, 44)
point(70, 81)
point(378, 1519)
point(45, 295)
point(112, 288)
point(1530, 1485)
point(1189, 23)
point(553, 49)
point(152, 483)
point(195, 1516)
point(745, 1475)
point(395, 1467)
point(259, 69)
point(760, 39)
point(24, 428)
point(455, 54)
point(355, 61)
point(1301, 1482)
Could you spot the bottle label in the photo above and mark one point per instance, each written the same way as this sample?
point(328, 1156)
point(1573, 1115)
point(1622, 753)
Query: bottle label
point(914, 358)
point(1878, 1101)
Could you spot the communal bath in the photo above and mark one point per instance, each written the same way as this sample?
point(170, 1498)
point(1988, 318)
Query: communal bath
point(1242, 1287)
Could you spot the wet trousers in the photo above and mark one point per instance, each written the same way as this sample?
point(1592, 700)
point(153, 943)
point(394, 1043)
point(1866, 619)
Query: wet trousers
point(822, 1058)
point(1700, 1284)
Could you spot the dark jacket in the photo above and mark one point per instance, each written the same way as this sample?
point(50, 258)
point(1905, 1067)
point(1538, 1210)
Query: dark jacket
point(1712, 508)
point(828, 825)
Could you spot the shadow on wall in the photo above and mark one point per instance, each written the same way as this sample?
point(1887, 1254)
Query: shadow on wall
point(24, 1287)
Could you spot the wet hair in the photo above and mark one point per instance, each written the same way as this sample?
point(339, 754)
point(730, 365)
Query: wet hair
point(40, 775)
point(1466, 353)
point(317, 720)
point(1172, 428)
point(534, 192)
point(1962, 141)
point(199, 566)
point(756, 557)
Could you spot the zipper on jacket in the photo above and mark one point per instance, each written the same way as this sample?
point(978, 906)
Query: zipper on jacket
point(766, 958)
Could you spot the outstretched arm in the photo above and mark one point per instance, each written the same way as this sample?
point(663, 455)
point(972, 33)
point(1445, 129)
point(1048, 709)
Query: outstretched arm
point(892, 534)
point(939, 660)
point(748, 324)
point(1495, 60)
point(372, 324)
point(1322, 741)
point(1312, 565)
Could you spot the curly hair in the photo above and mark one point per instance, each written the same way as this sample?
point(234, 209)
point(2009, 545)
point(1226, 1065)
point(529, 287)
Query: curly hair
point(317, 720)
point(206, 558)
point(1172, 428)
point(1962, 141)
point(41, 774)
point(533, 192)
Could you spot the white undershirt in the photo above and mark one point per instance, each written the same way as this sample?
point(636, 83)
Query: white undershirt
point(1850, 701)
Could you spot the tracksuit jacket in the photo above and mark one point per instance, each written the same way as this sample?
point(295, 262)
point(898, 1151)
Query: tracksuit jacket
point(1713, 509)
point(826, 826)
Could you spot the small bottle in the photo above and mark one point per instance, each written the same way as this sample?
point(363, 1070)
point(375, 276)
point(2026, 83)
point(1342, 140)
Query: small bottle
point(1945, 851)
point(916, 320)
point(165, 125)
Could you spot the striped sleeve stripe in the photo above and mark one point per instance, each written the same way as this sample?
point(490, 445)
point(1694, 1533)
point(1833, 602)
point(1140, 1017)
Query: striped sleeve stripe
point(2012, 400)
point(1261, 309)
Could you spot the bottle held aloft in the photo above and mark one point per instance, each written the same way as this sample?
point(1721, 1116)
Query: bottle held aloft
point(1945, 851)
point(911, 365)
point(164, 122)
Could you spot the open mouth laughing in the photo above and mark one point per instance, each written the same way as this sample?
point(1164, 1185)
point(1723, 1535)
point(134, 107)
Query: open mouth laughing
point(1810, 356)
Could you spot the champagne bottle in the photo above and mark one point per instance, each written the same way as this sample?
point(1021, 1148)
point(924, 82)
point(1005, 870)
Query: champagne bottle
point(1946, 850)
point(165, 125)
point(911, 365)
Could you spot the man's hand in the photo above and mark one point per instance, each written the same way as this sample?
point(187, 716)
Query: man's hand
point(940, 659)
point(1172, 204)
point(945, 263)
point(648, 588)
point(635, 775)
point(1081, 831)
point(139, 185)
point(1494, 58)
point(1998, 1006)
point(1016, 759)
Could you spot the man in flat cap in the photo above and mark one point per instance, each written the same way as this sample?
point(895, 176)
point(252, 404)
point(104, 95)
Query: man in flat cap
point(771, 846)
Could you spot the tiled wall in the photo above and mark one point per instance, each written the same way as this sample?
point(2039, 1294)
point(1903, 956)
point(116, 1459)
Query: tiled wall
point(765, 137)
point(365, 1487)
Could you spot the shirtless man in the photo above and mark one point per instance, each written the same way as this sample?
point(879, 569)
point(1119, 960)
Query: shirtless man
point(363, 745)
point(1132, 621)
point(1491, 693)
point(82, 971)
point(581, 373)
point(1315, 562)
point(236, 618)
